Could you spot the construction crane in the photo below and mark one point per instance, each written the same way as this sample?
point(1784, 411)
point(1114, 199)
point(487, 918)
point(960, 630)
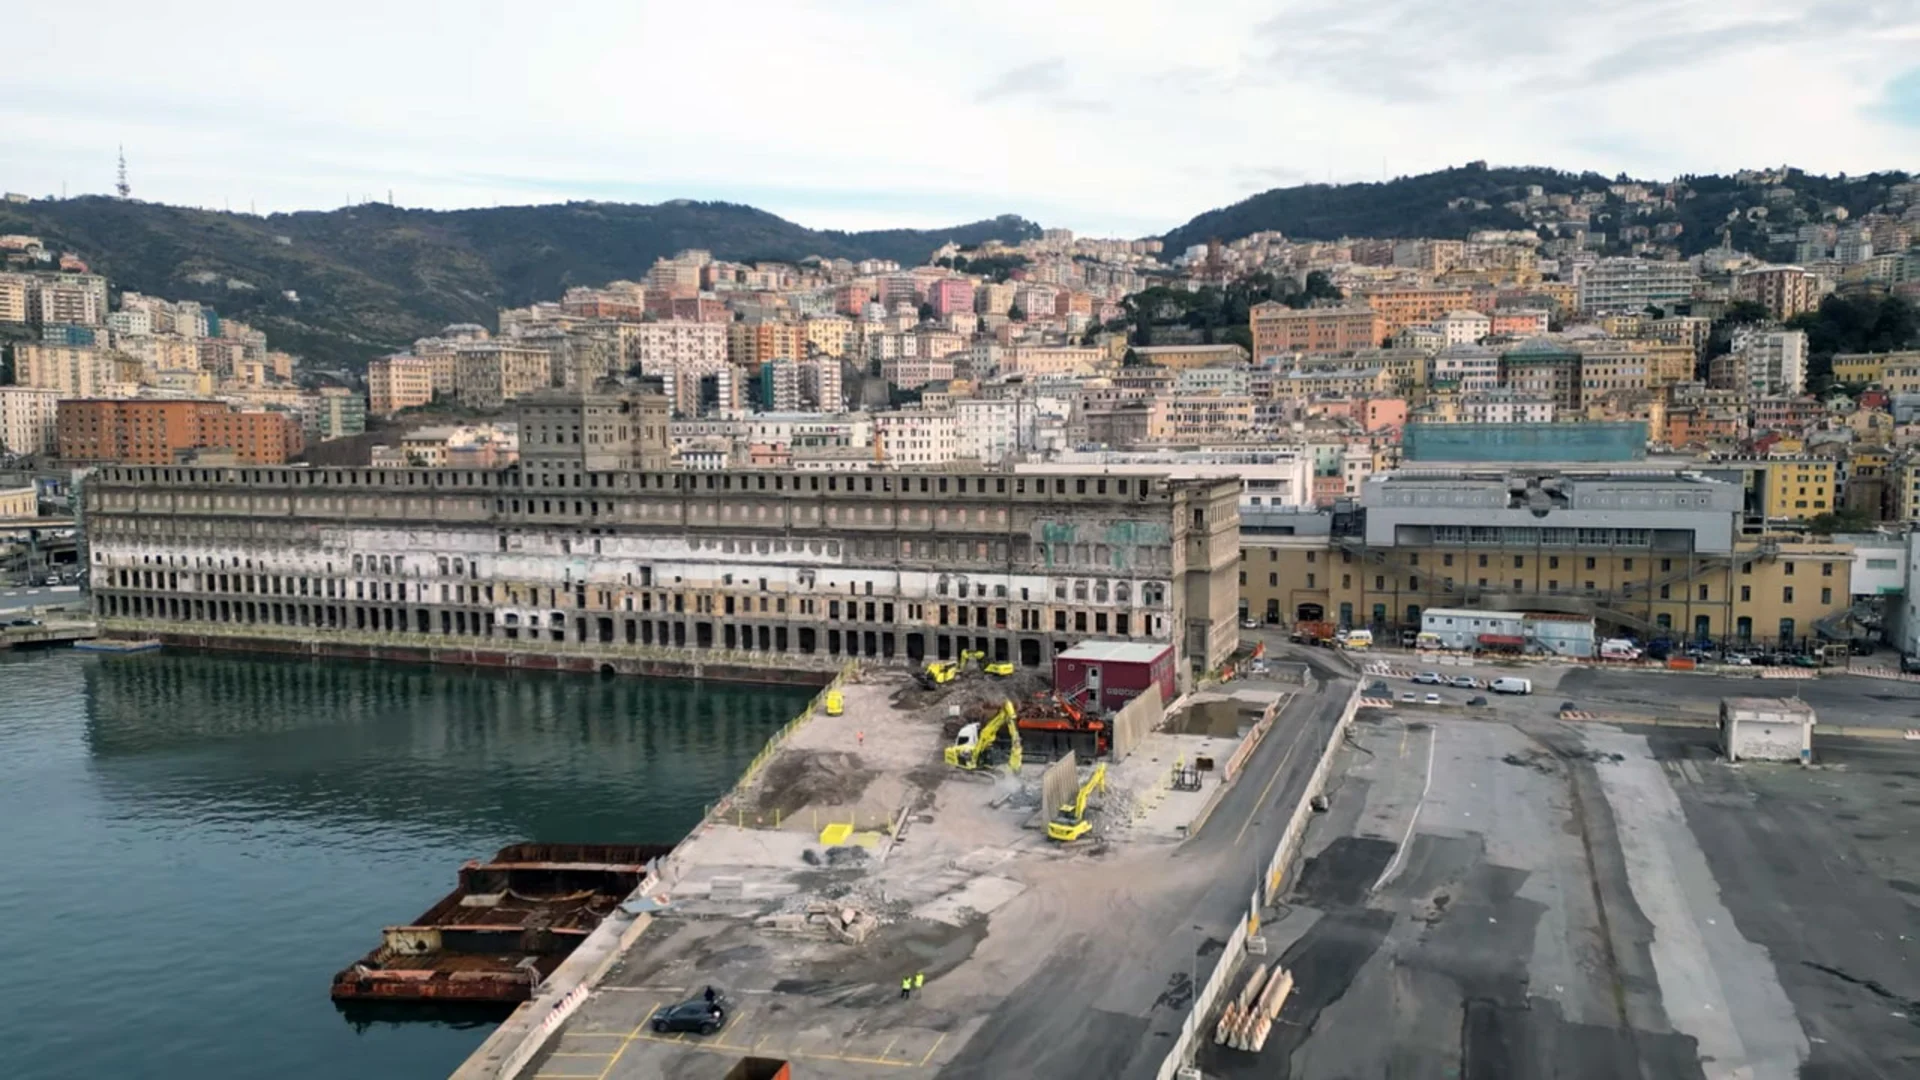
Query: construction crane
point(973, 744)
point(1071, 822)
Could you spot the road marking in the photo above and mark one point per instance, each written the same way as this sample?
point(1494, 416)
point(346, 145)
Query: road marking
point(624, 1043)
point(888, 1052)
point(936, 1046)
point(1261, 799)
point(582, 1053)
point(1399, 852)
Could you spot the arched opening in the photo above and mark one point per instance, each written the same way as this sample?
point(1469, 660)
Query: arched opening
point(1309, 613)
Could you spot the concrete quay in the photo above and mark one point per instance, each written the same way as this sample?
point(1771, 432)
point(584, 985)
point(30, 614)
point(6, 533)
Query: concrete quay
point(1528, 895)
point(1040, 958)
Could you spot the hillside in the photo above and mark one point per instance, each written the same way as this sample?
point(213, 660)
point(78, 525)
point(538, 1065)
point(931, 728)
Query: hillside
point(369, 279)
point(1427, 205)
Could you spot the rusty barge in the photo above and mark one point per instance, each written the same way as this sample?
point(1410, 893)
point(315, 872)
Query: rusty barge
point(507, 925)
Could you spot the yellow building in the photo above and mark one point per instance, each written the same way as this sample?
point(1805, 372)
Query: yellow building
point(1798, 488)
point(1906, 491)
point(16, 503)
point(1868, 368)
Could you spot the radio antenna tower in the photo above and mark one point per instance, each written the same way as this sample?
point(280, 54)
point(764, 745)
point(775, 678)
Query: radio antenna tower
point(120, 185)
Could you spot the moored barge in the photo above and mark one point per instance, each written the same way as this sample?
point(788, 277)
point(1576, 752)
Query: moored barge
point(505, 928)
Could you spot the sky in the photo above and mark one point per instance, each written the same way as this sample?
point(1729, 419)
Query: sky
point(1120, 118)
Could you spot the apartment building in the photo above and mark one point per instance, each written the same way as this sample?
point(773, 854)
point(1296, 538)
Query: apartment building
point(949, 295)
point(1640, 552)
point(1309, 384)
point(1465, 369)
point(750, 344)
point(915, 437)
point(398, 382)
point(1785, 291)
point(1042, 360)
point(1799, 488)
point(67, 300)
point(1182, 357)
point(155, 432)
point(1863, 369)
point(1279, 330)
point(1503, 406)
point(828, 334)
point(488, 375)
point(1541, 368)
point(1610, 364)
point(13, 298)
point(27, 419)
point(914, 372)
point(1463, 327)
point(1401, 307)
point(760, 568)
point(1633, 285)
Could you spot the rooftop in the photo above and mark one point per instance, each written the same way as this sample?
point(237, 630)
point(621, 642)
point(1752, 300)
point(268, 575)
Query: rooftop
point(1125, 652)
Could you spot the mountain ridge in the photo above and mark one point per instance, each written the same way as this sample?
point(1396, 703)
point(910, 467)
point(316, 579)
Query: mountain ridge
point(369, 279)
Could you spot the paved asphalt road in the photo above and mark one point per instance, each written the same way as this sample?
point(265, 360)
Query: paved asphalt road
point(1844, 699)
point(16, 597)
point(1112, 1006)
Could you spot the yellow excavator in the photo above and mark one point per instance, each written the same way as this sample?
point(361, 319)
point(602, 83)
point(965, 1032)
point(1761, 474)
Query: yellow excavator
point(1071, 822)
point(971, 656)
point(940, 673)
point(973, 745)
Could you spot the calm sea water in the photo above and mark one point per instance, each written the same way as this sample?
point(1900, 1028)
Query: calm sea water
point(191, 845)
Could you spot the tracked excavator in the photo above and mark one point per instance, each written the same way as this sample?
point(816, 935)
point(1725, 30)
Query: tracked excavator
point(974, 745)
point(1071, 822)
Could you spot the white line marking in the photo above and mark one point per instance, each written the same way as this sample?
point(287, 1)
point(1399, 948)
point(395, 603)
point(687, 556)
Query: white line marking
point(1399, 852)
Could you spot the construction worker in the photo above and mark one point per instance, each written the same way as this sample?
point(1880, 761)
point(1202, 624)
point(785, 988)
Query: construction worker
point(919, 979)
point(906, 987)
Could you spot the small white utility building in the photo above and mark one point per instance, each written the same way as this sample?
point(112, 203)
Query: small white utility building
point(1766, 729)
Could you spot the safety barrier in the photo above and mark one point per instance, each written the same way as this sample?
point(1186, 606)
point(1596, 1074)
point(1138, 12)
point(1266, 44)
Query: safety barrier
point(779, 738)
point(1181, 1053)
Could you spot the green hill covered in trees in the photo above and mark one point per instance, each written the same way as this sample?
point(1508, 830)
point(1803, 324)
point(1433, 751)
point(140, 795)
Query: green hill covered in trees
point(368, 279)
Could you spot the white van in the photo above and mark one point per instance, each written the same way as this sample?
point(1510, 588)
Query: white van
point(1357, 640)
point(1511, 685)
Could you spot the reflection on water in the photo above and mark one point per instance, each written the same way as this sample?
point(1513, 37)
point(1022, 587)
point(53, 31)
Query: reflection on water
point(196, 843)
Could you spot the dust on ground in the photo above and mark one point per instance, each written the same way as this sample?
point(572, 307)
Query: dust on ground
point(804, 778)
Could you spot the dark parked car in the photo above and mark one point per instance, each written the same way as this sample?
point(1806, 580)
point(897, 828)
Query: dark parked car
point(1910, 665)
point(703, 1015)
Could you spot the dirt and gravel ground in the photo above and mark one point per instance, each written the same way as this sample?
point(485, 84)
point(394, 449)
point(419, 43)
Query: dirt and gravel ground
point(1039, 959)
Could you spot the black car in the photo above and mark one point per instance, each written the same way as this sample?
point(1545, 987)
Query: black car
point(703, 1015)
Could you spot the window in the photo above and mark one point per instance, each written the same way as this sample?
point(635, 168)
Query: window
point(1786, 594)
point(1518, 584)
point(1787, 569)
point(1666, 592)
point(1666, 565)
point(1243, 577)
point(1883, 564)
point(1553, 562)
point(1483, 560)
point(1703, 592)
point(1379, 581)
point(1826, 596)
point(1519, 562)
point(1446, 560)
point(1746, 593)
point(1627, 565)
point(1553, 584)
point(1346, 581)
point(1415, 559)
point(1309, 581)
point(1589, 562)
point(1826, 569)
point(1273, 581)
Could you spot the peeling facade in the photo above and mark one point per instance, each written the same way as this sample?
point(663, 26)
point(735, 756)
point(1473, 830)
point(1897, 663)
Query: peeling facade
point(779, 566)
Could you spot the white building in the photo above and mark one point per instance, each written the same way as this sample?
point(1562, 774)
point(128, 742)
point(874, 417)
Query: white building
point(1466, 368)
point(1775, 360)
point(1502, 406)
point(659, 347)
point(916, 437)
point(1280, 476)
point(1463, 327)
point(27, 419)
point(1634, 285)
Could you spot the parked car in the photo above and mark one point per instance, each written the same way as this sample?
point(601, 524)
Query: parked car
point(1739, 660)
point(1568, 706)
point(1803, 660)
point(1476, 700)
point(1860, 647)
point(1433, 699)
point(1408, 697)
point(1377, 688)
point(1910, 665)
point(1249, 624)
point(704, 1015)
point(1464, 682)
point(1430, 678)
point(1509, 684)
point(23, 622)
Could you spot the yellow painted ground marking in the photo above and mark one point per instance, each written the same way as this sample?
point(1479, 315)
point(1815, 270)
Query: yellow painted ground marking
point(1261, 800)
point(936, 1046)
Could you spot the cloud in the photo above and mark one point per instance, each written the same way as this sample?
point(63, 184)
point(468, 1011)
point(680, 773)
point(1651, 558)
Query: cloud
point(1046, 81)
point(857, 114)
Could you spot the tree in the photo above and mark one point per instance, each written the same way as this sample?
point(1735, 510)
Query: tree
point(1017, 314)
point(1858, 323)
point(926, 312)
point(1845, 519)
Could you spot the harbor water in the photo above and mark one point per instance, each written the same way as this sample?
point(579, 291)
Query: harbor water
point(193, 844)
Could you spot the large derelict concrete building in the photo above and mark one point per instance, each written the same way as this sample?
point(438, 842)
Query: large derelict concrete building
point(639, 569)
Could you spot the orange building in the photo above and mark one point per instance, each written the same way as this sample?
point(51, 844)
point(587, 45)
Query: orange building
point(156, 432)
point(1404, 307)
point(1278, 330)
